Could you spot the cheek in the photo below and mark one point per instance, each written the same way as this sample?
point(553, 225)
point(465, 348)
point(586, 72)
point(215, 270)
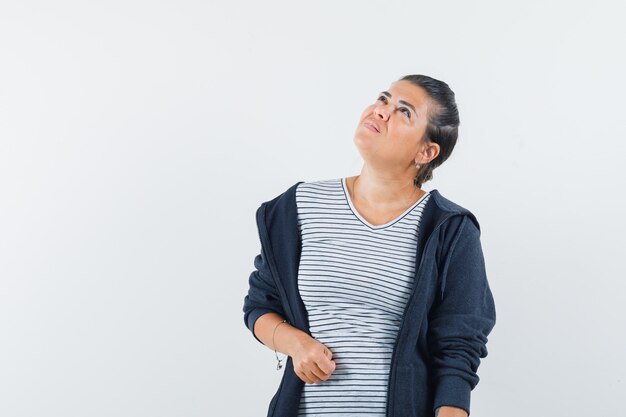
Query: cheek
point(408, 137)
point(368, 111)
point(402, 131)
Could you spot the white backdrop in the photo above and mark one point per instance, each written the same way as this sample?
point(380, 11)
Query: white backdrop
point(137, 139)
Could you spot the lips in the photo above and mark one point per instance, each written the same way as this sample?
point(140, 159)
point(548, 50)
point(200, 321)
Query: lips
point(372, 126)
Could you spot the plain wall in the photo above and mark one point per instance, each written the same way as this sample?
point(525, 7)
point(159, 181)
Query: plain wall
point(138, 138)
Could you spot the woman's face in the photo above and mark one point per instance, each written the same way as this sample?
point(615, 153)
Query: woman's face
point(391, 129)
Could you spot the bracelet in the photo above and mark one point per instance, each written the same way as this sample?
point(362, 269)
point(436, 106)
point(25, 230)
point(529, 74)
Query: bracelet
point(273, 344)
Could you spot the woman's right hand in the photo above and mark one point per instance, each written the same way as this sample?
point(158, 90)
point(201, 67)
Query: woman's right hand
point(312, 360)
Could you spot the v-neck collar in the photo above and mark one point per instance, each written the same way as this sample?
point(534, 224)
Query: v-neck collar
point(344, 186)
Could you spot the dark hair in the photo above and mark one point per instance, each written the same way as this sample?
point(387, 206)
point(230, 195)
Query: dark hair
point(443, 122)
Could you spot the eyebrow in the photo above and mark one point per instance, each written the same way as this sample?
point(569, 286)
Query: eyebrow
point(406, 103)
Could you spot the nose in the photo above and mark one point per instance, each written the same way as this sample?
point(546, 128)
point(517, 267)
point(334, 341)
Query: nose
point(382, 110)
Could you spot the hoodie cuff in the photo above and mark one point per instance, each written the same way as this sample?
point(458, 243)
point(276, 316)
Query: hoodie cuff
point(252, 318)
point(453, 391)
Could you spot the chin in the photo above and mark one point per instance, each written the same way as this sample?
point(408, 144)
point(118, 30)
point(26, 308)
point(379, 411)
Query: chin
point(364, 143)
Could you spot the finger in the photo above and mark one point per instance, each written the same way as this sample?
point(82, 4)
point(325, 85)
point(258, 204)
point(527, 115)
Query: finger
point(328, 353)
point(327, 366)
point(304, 377)
point(311, 377)
point(319, 373)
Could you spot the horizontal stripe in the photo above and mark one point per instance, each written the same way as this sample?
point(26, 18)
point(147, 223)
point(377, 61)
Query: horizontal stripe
point(355, 279)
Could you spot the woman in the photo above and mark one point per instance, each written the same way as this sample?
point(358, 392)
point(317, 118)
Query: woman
point(374, 288)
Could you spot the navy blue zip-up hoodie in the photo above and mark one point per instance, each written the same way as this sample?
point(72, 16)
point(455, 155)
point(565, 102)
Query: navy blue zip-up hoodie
point(443, 333)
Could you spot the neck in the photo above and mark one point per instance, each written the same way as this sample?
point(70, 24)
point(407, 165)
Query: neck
point(385, 189)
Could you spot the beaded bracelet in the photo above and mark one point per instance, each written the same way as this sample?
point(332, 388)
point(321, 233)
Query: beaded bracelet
point(273, 344)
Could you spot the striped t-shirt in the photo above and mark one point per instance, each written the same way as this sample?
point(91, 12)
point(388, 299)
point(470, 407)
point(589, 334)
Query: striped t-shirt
point(355, 279)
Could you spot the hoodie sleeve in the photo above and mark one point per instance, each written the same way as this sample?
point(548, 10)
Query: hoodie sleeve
point(460, 320)
point(262, 294)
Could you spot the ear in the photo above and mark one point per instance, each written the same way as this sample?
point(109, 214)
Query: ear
point(429, 151)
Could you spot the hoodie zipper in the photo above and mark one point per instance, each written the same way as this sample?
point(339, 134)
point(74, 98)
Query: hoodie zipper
point(390, 383)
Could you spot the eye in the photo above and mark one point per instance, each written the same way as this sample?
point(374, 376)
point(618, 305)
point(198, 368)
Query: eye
point(406, 111)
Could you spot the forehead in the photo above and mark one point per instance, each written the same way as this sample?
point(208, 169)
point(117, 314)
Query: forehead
point(414, 94)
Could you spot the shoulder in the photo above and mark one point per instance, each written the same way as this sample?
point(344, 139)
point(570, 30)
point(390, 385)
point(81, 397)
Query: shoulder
point(452, 208)
point(300, 187)
point(330, 184)
point(282, 209)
